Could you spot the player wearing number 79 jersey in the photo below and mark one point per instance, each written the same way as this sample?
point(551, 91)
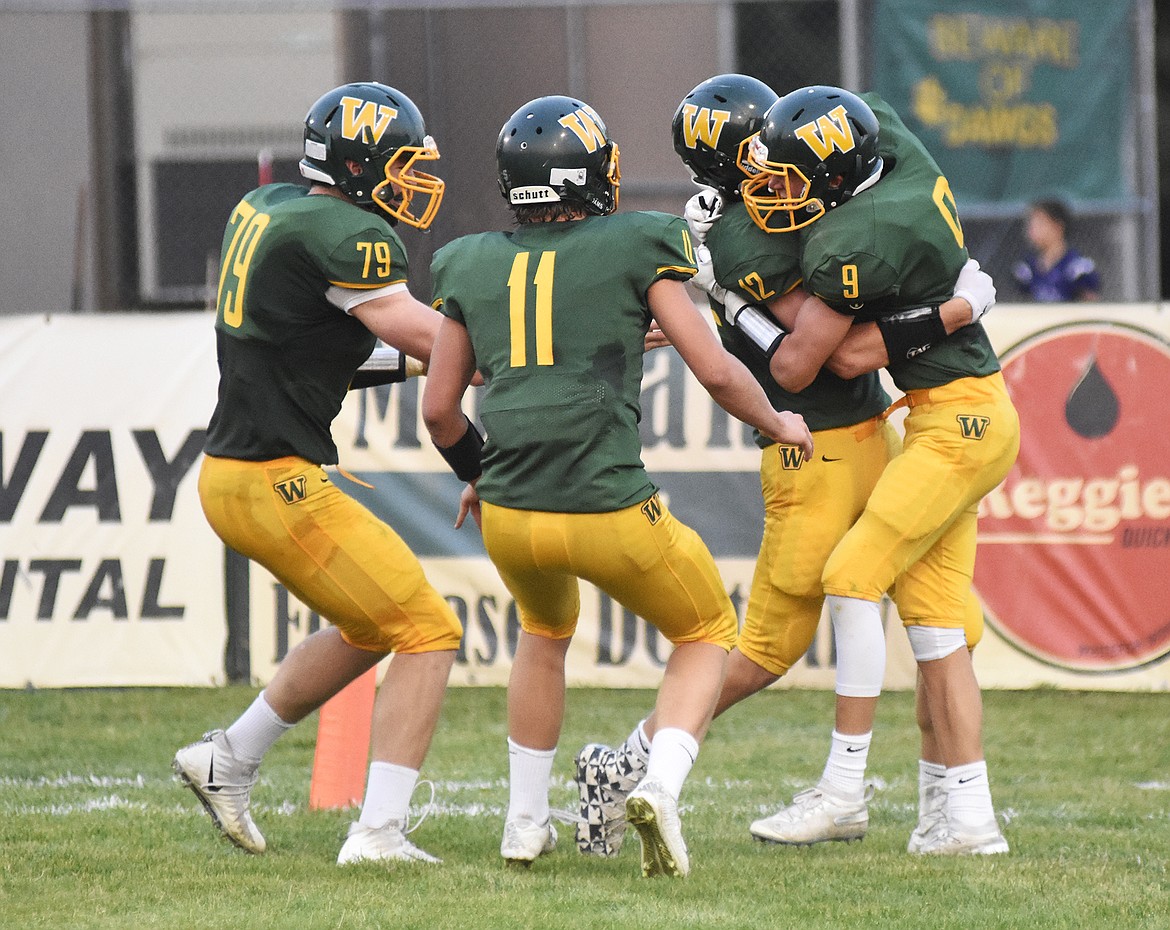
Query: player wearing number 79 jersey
point(311, 278)
point(554, 315)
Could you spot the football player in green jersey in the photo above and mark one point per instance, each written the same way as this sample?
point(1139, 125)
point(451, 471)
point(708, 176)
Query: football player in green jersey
point(808, 506)
point(553, 315)
point(880, 237)
point(311, 278)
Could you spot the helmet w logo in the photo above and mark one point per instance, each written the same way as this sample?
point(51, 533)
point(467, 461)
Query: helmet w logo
point(972, 427)
point(828, 132)
point(586, 126)
point(702, 124)
point(358, 116)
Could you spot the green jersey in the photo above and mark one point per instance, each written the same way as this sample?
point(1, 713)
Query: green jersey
point(762, 265)
point(286, 350)
point(895, 246)
point(557, 315)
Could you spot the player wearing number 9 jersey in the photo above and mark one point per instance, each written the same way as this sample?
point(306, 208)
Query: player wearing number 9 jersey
point(880, 235)
point(310, 279)
point(554, 315)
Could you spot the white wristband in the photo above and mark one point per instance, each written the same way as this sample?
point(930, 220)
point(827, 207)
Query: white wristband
point(751, 320)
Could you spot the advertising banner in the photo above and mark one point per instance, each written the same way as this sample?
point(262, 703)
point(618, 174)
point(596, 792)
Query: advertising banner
point(1074, 547)
point(1000, 91)
point(109, 574)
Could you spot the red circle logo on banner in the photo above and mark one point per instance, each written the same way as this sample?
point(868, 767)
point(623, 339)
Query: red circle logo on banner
point(1074, 547)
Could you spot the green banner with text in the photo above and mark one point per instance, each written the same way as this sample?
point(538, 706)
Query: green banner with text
point(1015, 98)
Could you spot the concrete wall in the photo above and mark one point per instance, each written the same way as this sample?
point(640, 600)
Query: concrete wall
point(44, 154)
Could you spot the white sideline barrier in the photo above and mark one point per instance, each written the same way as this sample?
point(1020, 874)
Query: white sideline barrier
point(109, 574)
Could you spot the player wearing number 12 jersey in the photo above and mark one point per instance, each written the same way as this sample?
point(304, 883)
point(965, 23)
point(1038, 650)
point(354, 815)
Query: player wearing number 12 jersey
point(880, 236)
point(808, 506)
point(554, 315)
point(310, 277)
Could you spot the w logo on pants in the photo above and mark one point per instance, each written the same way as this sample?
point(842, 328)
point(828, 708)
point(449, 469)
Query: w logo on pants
point(292, 491)
point(791, 457)
point(972, 427)
point(653, 509)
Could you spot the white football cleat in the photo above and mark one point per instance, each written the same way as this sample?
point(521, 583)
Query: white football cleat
point(387, 843)
point(948, 839)
point(524, 840)
point(933, 813)
point(654, 814)
point(815, 816)
point(223, 785)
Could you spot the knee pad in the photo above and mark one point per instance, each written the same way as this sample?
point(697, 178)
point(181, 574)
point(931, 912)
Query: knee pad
point(860, 639)
point(935, 642)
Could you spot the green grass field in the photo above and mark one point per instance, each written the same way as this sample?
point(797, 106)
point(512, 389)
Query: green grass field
point(94, 832)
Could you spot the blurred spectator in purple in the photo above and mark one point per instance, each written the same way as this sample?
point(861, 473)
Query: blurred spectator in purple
point(1054, 272)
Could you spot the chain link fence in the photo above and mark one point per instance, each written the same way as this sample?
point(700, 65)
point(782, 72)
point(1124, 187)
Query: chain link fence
point(186, 106)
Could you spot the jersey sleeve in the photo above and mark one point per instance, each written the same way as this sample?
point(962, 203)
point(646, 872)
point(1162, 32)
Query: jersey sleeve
point(369, 259)
point(850, 282)
point(670, 246)
point(747, 259)
point(443, 298)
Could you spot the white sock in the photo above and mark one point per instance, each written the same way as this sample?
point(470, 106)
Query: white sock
point(257, 728)
point(860, 641)
point(388, 791)
point(969, 795)
point(638, 742)
point(672, 753)
point(529, 771)
point(930, 775)
point(845, 769)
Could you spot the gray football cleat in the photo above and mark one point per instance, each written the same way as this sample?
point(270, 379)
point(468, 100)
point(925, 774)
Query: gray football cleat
point(223, 784)
point(815, 816)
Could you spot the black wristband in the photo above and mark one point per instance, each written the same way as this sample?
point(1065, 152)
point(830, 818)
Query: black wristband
point(384, 366)
point(465, 456)
point(911, 332)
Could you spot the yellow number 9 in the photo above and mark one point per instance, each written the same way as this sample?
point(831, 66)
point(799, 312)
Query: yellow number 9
point(849, 282)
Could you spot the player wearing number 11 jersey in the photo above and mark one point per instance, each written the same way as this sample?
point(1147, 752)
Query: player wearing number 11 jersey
point(554, 315)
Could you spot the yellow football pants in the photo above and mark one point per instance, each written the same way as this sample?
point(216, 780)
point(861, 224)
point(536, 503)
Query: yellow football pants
point(919, 526)
point(641, 556)
point(329, 551)
point(807, 510)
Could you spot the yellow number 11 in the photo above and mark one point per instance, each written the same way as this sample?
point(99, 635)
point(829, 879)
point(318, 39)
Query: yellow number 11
point(517, 308)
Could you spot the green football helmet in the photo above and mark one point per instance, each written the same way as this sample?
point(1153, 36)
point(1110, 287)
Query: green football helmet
point(713, 125)
point(820, 145)
point(556, 149)
point(381, 131)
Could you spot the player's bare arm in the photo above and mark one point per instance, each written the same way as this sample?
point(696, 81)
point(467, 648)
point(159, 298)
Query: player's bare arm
point(724, 377)
point(452, 369)
point(401, 321)
point(817, 332)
